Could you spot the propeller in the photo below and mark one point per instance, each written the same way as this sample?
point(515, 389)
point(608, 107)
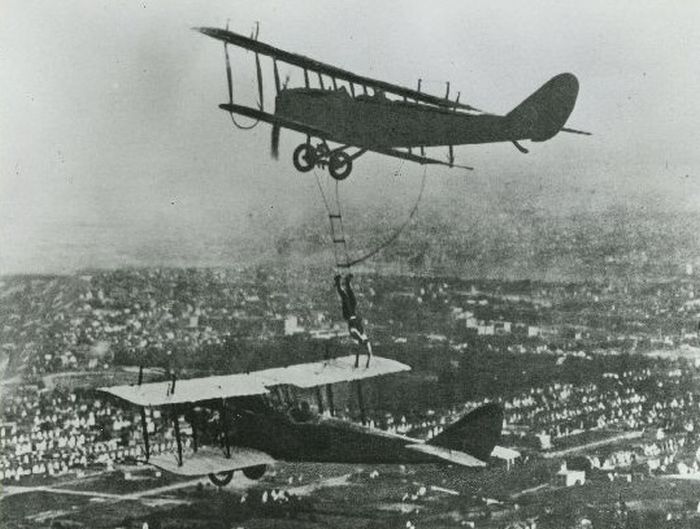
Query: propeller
point(228, 71)
point(228, 75)
point(275, 142)
point(261, 104)
point(254, 36)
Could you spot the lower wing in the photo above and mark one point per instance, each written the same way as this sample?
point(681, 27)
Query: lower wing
point(313, 131)
point(210, 461)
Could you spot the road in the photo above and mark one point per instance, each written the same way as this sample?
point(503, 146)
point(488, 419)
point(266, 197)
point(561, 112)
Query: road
point(593, 444)
point(58, 489)
point(239, 483)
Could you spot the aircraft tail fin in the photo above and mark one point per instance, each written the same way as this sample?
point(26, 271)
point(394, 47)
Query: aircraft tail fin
point(475, 434)
point(545, 112)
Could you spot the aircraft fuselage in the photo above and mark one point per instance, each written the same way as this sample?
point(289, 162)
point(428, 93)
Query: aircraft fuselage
point(375, 121)
point(322, 439)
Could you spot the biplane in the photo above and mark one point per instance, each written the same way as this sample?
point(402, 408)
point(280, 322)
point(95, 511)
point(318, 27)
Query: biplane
point(361, 114)
point(249, 421)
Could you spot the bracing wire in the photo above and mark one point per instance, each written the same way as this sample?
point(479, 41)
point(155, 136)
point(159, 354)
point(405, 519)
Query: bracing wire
point(229, 79)
point(389, 240)
point(243, 127)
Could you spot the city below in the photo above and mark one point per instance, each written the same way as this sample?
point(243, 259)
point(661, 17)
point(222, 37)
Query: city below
point(598, 381)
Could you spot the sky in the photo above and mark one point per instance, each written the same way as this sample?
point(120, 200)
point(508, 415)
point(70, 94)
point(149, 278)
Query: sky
point(115, 153)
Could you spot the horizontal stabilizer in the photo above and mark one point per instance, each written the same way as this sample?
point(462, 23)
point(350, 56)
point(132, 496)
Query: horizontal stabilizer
point(209, 461)
point(453, 456)
point(576, 131)
point(475, 434)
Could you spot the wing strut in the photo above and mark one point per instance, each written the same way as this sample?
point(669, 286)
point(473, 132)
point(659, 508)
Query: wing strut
point(176, 425)
point(144, 427)
point(277, 75)
point(224, 427)
point(229, 76)
point(319, 399)
point(361, 402)
point(331, 404)
point(261, 103)
point(191, 417)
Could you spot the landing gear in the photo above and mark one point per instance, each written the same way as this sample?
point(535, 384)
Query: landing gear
point(221, 479)
point(304, 158)
point(255, 472)
point(339, 162)
point(340, 165)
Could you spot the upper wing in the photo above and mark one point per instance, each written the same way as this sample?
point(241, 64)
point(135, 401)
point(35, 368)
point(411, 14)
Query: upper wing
point(327, 69)
point(341, 369)
point(332, 371)
point(193, 390)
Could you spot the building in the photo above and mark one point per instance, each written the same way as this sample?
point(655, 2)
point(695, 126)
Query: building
point(570, 478)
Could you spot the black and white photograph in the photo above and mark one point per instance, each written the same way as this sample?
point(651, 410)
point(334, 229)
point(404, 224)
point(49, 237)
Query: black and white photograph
point(349, 265)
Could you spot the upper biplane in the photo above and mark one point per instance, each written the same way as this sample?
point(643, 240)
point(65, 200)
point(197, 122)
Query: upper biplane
point(372, 115)
point(248, 421)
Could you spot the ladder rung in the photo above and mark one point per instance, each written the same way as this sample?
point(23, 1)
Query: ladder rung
point(334, 216)
point(339, 240)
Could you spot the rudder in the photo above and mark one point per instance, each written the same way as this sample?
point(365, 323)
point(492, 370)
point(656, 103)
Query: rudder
point(545, 112)
point(476, 433)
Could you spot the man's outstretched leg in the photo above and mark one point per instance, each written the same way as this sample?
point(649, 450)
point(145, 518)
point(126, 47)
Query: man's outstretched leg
point(344, 301)
point(357, 333)
point(352, 302)
point(369, 352)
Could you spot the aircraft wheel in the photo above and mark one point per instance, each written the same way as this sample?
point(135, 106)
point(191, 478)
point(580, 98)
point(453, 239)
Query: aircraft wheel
point(340, 165)
point(304, 158)
point(255, 472)
point(221, 479)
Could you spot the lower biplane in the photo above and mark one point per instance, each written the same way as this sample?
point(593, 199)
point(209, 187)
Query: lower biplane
point(248, 421)
point(362, 117)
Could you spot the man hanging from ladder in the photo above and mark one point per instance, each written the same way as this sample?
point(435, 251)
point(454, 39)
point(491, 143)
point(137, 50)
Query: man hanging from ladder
point(349, 304)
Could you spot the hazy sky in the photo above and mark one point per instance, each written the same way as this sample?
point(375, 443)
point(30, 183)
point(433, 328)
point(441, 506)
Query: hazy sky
point(113, 149)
